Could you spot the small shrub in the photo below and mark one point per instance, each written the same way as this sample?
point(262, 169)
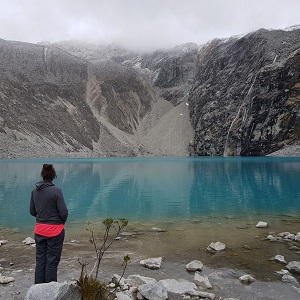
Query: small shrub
point(89, 286)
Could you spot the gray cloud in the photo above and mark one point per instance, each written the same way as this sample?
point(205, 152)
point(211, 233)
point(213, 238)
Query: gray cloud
point(141, 24)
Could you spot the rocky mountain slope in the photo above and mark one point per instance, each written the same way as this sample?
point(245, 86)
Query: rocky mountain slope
point(245, 98)
point(238, 96)
point(55, 104)
point(172, 71)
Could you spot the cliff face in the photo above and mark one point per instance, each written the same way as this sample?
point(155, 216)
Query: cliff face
point(270, 116)
point(245, 97)
point(173, 70)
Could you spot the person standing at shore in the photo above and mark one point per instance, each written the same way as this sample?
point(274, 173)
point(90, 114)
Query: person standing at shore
point(48, 206)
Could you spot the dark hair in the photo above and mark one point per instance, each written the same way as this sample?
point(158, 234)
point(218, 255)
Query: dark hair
point(48, 172)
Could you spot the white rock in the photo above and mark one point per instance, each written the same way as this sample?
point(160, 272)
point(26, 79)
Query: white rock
point(287, 278)
point(53, 291)
point(152, 263)
point(152, 291)
point(261, 224)
point(174, 286)
point(122, 296)
point(271, 238)
point(280, 259)
point(294, 266)
point(246, 279)
point(2, 242)
point(6, 279)
point(290, 236)
point(125, 287)
point(29, 241)
point(282, 272)
point(283, 234)
point(202, 280)
point(297, 237)
point(195, 265)
point(136, 280)
point(217, 246)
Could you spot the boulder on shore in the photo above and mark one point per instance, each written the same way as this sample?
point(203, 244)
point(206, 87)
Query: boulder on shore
point(53, 291)
point(261, 224)
point(195, 265)
point(152, 263)
point(217, 246)
point(294, 267)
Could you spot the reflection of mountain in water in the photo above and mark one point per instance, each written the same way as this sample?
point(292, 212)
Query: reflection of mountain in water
point(153, 189)
point(246, 186)
point(137, 189)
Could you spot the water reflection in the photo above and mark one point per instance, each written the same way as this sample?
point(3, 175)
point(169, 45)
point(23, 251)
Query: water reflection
point(248, 185)
point(161, 188)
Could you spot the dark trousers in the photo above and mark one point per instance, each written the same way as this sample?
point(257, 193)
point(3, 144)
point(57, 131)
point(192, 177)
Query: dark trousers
point(48, 253)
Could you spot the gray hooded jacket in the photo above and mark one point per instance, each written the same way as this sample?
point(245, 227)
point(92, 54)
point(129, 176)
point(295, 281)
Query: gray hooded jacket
point(47, 204)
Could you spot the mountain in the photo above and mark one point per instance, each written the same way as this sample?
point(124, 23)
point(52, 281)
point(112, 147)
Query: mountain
point(171, 70)
point(245, 97)
point(56, 104)
point(236, 96)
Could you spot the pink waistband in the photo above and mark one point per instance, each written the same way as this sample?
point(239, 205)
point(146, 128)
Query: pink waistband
point(48, 230)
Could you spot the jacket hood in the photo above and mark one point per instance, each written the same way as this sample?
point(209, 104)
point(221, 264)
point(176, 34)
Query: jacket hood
point(43, 184)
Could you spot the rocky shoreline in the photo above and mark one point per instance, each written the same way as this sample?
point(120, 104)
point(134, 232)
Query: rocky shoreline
point(219, 281)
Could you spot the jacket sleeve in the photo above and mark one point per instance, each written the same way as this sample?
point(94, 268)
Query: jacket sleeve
point(61, 205)
point(32, 209)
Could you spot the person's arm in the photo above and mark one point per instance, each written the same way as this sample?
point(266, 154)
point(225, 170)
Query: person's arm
point(61, 205)
point(32, 206)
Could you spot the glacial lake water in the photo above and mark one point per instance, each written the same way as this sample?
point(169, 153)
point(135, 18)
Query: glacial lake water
point(152, 189)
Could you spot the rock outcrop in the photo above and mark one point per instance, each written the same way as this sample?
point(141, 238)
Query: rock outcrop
point(245, 98)
point(172, 70)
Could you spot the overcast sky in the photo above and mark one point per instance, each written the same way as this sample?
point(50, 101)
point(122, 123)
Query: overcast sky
point(141, 24)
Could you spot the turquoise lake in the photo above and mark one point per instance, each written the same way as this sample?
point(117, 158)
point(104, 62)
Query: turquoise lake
point(147, 189)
